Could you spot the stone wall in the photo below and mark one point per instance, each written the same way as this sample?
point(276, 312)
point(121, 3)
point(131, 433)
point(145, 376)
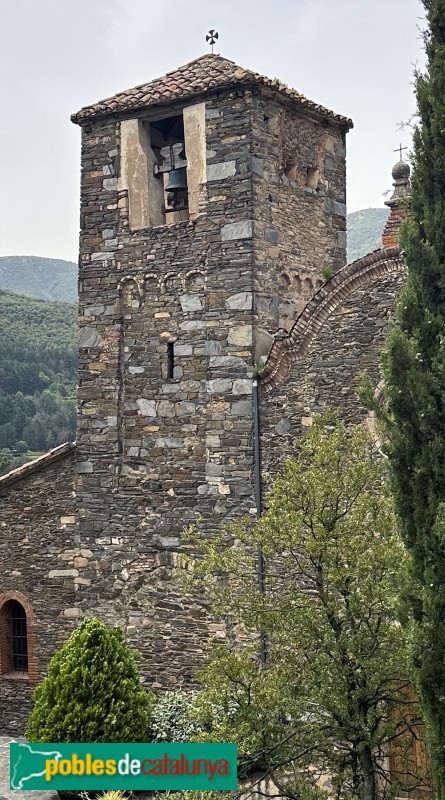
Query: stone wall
point(169, 320)
point(154, 453)
point(299, 183)
point(39, 559)
point(157, 452)
point(331, 360)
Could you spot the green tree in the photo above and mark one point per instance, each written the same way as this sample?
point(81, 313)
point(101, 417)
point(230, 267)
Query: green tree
point(334, 695)
point(92, 692)
point(415, 392)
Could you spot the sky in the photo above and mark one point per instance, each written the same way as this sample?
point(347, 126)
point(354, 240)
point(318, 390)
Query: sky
point(356, 57)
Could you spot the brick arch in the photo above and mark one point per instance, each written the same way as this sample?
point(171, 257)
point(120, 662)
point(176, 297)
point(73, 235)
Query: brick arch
point(6, 597)
point(292, 347)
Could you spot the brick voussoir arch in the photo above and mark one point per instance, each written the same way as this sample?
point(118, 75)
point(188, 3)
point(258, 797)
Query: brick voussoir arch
point(292, 347)
point(6, 597)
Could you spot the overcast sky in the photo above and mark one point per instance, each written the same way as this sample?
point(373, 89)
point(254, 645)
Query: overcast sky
point(353, 56)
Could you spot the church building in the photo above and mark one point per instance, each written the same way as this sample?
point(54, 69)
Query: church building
point(212, 199)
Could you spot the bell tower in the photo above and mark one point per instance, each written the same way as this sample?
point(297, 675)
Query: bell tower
point(211, 200)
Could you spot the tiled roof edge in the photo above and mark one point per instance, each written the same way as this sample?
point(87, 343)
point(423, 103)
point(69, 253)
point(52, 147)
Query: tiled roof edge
point(39, 463)
point(103, 108)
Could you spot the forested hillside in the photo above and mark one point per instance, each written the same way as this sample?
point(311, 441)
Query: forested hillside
point(38, 376)
point(365, 230)
point(44, 278)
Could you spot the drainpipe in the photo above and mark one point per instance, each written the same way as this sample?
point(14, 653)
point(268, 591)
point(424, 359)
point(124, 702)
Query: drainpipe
point(259, 503)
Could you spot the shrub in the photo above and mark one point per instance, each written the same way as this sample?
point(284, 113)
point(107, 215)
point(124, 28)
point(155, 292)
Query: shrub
point(172, 719)
point(92, 692)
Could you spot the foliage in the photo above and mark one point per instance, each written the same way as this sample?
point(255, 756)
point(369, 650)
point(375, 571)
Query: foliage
point(415, 392)
point(365, 230)
point(334, 692)
point(92, 692)
point(172, 719)
point(327, 272)
point(38, 374)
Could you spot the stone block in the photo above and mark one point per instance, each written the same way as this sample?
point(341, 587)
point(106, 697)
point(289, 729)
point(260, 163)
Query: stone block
point(190, 302)
point(272, 235)
point(341, 238)
point(213, 470)
point(100, 257)
point(166, 409)
point(183, 350)
point(219, 385)
point(88, 337)
point(186, 409)
point(218, 172)
point(213, 441)
point(72, 613)
point(192, 325)
point(257, 165)
point(212, 347)
point(283, 426)
point(147, 408)
point(237, 230)
point(240, 302)
point(242, 386)
point(63, 573)
point(225, 361)
point(240, 335)
point(110, 184)
point(242, 408)
point(84, 467)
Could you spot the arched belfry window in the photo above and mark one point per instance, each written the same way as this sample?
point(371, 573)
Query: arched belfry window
point(16, 639)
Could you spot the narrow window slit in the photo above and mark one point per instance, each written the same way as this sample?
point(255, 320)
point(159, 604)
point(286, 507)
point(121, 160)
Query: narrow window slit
point(170, 360)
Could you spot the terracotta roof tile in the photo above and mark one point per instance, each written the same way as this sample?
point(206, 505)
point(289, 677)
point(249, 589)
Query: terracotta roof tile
point(196, 78)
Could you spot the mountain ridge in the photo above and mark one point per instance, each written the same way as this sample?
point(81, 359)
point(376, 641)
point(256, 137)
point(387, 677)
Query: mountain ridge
point(41, 278)
point(55, 279)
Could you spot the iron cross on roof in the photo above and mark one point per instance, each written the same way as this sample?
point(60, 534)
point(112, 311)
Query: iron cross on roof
point(212, 38)
point(399, 150)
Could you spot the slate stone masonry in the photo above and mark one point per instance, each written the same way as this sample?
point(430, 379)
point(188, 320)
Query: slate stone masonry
point(172, 318)
point(155, 453)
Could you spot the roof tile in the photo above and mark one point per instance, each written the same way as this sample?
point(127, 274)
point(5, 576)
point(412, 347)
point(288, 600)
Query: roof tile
point(196, 78)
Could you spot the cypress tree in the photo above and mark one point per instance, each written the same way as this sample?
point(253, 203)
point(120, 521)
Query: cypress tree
point(415, 392)
point(92, 692)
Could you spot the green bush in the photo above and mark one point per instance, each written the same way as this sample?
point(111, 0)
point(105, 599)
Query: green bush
point(172, 719)
point(92, 692)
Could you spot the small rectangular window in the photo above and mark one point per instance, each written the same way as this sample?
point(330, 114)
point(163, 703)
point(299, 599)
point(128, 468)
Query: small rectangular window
point(170, 360)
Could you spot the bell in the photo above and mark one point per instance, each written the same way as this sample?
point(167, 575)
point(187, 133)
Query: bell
point(177, 181)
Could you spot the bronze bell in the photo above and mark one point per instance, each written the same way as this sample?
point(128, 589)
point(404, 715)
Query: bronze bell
point(177, 181)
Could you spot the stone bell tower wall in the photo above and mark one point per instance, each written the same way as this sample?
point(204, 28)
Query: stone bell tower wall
point(154, 451)
point(299, 189)
point(168, 319)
